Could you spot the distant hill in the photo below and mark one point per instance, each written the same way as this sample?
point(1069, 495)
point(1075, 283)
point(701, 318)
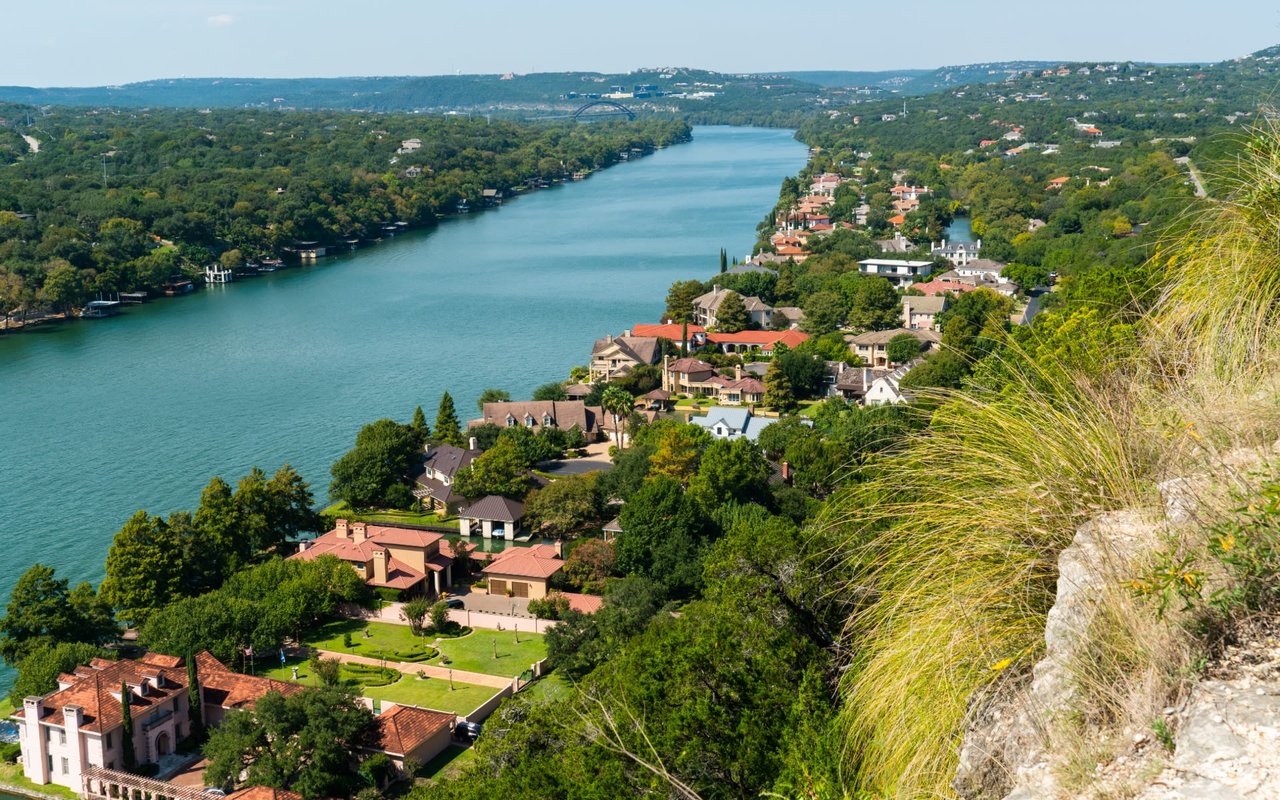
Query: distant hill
point(921, 81)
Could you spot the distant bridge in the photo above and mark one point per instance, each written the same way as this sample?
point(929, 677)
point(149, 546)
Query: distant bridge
point(607, 108)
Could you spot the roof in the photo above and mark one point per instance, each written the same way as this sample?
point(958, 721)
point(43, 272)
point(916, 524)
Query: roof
point(735, 419)
point(539, 561)
point(658, 394)
point(614, 525)
point(712, 299)
point(670, 330)
point(640, 349)
point(263, 793)
point(95, 688)
point(982, 265)
point(377, 537)
point(578, 391)
point(447, 459)
point(220, 686)
point(493, 507)
point(399, 575)
point(935, 304)
point(884, 337)
point(743, 269)
point(858, 379)
point(939, 287)
point(689, 366)
point(759, 338)
point(403, 729)
point(584, 603)
point(564, 414)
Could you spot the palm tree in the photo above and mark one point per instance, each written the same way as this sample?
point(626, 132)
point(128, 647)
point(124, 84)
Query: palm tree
point(618, 402)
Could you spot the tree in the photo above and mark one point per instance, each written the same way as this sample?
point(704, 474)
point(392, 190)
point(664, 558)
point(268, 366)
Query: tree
point(680, 299)
point(195, 698)
point(550, 391)
point(804, 369)
point(590, 565)
point(824, 312)
point(564, 506)
point(493, 396)
point(447, 428)
point(303, 742)
point(731, 472)
point(677, 452)
point(499, 470)
point(724, 261)
point(64, 288)
point(384, 451)
point(415, 613)
point(731, 314)
point(902, 348)
point(662, 536)
point(440, 616)
point(38, 671)
point(554, 606)
point(1028, 276)
point(778, 393)
point(218, 517)
point(421, 433)
point(42, 613)
point(619, 403)
point(873, 303)
point(129, 757)
point(142, 572)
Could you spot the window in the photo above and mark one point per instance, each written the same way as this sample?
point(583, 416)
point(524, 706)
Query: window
point(109, 744)
point(65, 767)
point(62, 736)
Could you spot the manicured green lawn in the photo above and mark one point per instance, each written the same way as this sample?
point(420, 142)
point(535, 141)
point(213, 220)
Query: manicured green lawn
point(474, 652)
point(384, 640)
point(341, 509)
point(12, 773)
point(548, 689)
point(434, 693)
point(445, 766)
point(357, 675)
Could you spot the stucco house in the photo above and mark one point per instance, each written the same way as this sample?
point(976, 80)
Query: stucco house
point(873, 346)
point(523, 571)
point(407, 733)
point(386, 556)
point(901, 273)
point(706, 305)
point(615, 356)
point(958, 253)
point(921, 313)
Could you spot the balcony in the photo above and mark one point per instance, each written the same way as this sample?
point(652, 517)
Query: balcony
point(157, 719)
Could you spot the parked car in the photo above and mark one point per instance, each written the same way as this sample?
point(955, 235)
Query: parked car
point(468, 730)
point(454, 602)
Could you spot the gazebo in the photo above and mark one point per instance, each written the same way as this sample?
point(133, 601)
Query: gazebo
point(492, 517)
point(659, 400)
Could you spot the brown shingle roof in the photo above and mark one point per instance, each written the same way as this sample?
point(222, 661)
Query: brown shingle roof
point(563, 414)
point(494, 507)
point(403, 729)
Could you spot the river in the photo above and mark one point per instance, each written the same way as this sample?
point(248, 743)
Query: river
point(101, 418)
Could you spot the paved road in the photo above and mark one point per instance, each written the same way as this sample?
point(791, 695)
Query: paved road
point(1195, 175)
point(576, 466)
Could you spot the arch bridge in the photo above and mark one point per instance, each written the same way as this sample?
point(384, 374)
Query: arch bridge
point(603, 108)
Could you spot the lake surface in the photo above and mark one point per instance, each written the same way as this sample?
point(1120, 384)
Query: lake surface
point(960, 230)
point(101, 418)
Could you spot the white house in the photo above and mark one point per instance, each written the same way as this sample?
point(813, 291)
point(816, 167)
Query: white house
point(900, 273)
point(886, 389)
point(732, 423)
point(958, 253)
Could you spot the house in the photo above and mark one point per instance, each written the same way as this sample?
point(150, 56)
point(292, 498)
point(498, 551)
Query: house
point(1056, 183)
point(732, 423)
point(792, 314)
point(523, 571)
point(386, 556)
point(898, 220)
point(958, 253)
point(887, 389)
point(705, 307)
point(492, 517)
point(406, 733)
point(764, 341)
point(79, 725)
point(936, 287)
point(689, 376)
point(852, 383)
point(433, 484)
point(690, 335)
point(538, 414)
point(909, 192)
point(900, 273)
point(921, 313)
point(748, 268)
point(872, 347)
point(739, 390)
point(612, 357)
point(983, 268)
point(898, 244)
point(953, 277)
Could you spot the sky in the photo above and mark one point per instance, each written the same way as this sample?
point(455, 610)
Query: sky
point(107, 42)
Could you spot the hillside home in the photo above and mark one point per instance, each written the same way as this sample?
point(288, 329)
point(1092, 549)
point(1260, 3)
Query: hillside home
point(615, 356)
point(538, 414)
point(921, 313)
point(523, 571)
point(732, 423)
point(705, 306)
point(887, 389)
point(937, 287)
point(692, 336)
point(433, 483)
point(980, 281)
point(958, 253)
point(898, 244)
point(764, 341)
point(872, 347)
point(687, 376)
point(852, 383)
point(898, 272)
point(386, 556)
point(984, 269)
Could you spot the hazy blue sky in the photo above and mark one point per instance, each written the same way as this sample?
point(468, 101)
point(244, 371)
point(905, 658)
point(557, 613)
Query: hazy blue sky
point(90, 42)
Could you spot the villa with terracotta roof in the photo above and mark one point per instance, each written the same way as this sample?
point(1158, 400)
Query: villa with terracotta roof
point(523, 571)
point(936, 287)
point(406, 733)
point(745, 341)
point(79, 725)
point(674, 332)
point(386, 556)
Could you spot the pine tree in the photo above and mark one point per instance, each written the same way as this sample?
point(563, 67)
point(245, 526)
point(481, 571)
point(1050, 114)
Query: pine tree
point(195, 702)
point(447, 429)
point(419, 426)
point(126, 727)
point(778, 393)
point(731, 316)
point(724, 260)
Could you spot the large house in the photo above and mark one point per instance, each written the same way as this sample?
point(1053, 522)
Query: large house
point(538, 414)
point(887, 389)
point(873, 346)
point(523, 571)
point(898, 272)
point(690, 335)
point(958, 253)
point(615, 356)
point(386, 556)
point(979, 281)
point(921, 313)
point(706, 305)
point(694, 377)
point(764, 341)
point(79, 725)
point(852, 383)
point(407, 733)
point(440, 465)
point(732, 423)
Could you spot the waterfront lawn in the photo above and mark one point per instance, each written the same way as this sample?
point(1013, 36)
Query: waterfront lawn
point(361, 677)
point(474, 653)
point(433, 693)
point(384, 640)
point(12, 775)
point(391, 516)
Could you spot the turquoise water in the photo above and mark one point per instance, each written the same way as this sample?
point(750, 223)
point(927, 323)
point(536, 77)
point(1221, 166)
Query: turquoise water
point(960, 230)
point(101, 418)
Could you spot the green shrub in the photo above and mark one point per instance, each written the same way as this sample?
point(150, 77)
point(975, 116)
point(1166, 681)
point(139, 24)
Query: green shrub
point(9, 752)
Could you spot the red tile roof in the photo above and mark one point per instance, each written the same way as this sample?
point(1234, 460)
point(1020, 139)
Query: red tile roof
point(759, 338)
point(670, 330)
point(539, 561)
point(93, 687)
point(228, 689)
point(403, 729)
point(940, 287)
point(584, 603)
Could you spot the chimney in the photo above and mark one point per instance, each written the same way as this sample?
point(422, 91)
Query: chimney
point(304, 545)
point(737, 372)
point(627, 333)
point(358, 532)
point(786, 473)
point(380, 566)
point(472, 444)
point(341, 528)
point(715, 288)
point(72, 720)
point(426, 448)
point(559, 545)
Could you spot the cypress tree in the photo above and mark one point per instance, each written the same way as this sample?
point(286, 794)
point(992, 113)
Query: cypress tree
point(778, 393)
point(126, 726)
point(447, 429)
point(195, 702)
point(724, 260)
